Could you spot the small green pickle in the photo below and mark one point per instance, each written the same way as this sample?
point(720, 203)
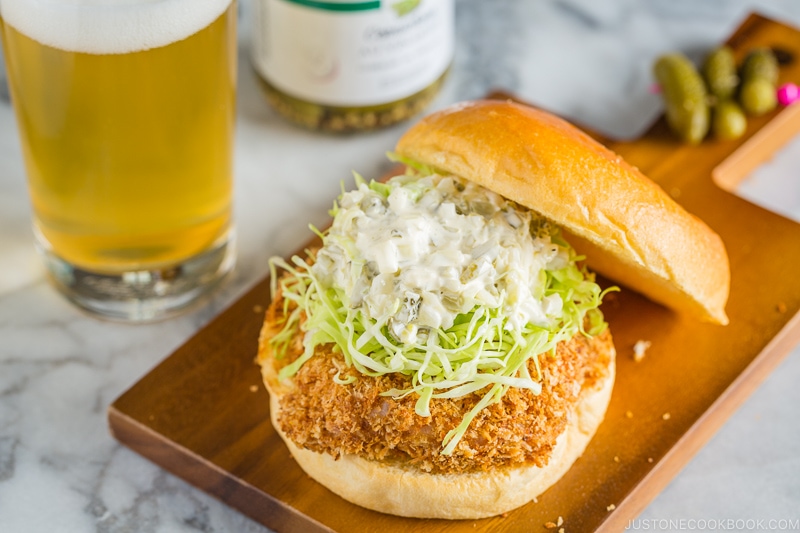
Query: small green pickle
point(685, 97)
point(759, 82)
point(758, 96)
point(729, 121)
point(760, 63)
point(719, 71)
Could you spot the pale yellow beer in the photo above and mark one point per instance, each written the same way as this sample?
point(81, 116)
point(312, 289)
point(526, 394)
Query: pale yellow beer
point(128, 147)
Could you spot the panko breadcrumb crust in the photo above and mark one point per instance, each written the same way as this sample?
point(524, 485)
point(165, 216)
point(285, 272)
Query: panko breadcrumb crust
point(323, 416)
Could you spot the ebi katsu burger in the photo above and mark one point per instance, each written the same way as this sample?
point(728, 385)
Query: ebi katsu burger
point(442, 354)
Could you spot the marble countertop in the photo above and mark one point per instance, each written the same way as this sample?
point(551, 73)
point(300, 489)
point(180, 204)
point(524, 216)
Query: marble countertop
point(60, 470)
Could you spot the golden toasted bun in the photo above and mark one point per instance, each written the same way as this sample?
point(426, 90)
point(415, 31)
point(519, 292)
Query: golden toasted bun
point(407, 491)
point(629, 228)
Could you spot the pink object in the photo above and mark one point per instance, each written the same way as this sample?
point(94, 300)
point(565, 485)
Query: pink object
point(788, 93)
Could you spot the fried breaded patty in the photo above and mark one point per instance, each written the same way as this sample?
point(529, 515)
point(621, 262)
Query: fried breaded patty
point(321, 415)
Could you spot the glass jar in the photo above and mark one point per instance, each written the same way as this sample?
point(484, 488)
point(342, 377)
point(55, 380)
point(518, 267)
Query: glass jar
point(352, 65)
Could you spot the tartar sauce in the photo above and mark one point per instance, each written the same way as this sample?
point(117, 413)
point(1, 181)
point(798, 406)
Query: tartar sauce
point(434, 248)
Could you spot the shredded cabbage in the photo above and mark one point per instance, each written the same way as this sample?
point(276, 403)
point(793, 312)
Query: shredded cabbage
point(474, 345)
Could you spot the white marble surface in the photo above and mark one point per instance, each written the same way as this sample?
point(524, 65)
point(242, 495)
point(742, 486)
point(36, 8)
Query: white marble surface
point(587, 59)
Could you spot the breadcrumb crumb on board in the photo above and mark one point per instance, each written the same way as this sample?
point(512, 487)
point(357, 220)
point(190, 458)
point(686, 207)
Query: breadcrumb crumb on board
point(557, 523)
point(639, 350)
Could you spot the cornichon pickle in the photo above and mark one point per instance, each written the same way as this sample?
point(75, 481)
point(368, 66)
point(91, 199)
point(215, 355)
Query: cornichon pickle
point(759, 78)
point(760, 63)
point(758, 96)
point(685, 97)
point(719, 71)
point(729, 121)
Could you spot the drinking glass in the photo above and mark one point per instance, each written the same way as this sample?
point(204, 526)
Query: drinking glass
point(125, 111)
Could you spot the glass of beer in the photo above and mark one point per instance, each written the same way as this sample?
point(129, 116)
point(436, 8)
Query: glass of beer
point(126, 111)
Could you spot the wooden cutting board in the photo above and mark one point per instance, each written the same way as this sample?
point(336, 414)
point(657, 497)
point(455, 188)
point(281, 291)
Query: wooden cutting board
point(202, 414)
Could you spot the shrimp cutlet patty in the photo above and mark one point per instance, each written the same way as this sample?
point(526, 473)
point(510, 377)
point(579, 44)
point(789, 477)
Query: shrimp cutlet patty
point(324, 416)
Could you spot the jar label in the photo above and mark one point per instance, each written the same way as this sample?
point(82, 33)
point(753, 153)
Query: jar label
point(352, 53)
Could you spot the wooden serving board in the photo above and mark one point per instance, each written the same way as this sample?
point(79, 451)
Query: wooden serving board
point(202, 414)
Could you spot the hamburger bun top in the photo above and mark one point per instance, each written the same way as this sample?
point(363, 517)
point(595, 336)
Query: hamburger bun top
point(628, 227)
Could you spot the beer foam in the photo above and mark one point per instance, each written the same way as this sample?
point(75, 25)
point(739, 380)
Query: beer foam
point(110, 26)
